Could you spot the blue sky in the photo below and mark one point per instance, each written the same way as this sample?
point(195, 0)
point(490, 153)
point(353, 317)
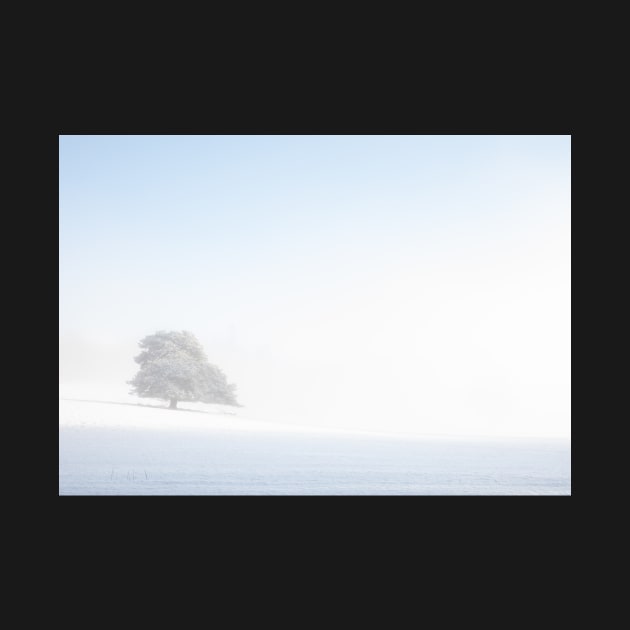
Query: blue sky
point(443, 262)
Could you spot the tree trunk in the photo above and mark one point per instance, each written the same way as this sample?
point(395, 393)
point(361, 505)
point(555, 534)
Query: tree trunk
point(173, 404)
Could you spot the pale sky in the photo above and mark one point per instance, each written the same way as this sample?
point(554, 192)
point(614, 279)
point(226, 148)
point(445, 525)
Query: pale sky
point(414, 284)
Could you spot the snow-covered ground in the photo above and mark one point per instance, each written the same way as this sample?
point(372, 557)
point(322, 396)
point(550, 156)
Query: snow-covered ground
point(114, 444)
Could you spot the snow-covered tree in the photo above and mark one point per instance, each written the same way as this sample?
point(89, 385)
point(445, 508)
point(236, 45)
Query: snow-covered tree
point(174, 367)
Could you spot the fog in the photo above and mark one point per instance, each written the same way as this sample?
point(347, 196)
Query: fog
point(400, 284)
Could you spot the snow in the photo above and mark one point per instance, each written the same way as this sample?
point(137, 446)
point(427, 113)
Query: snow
point(113, 444)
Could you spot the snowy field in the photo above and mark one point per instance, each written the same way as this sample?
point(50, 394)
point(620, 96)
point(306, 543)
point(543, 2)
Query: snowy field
point(117, 447)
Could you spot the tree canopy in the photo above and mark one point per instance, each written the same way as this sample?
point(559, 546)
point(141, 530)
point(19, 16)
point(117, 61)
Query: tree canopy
point(174, 367)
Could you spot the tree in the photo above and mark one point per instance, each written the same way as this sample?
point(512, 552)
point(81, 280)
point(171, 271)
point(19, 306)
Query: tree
point(174, 367)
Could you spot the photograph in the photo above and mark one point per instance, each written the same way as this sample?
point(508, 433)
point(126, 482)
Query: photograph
point(314, 315)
